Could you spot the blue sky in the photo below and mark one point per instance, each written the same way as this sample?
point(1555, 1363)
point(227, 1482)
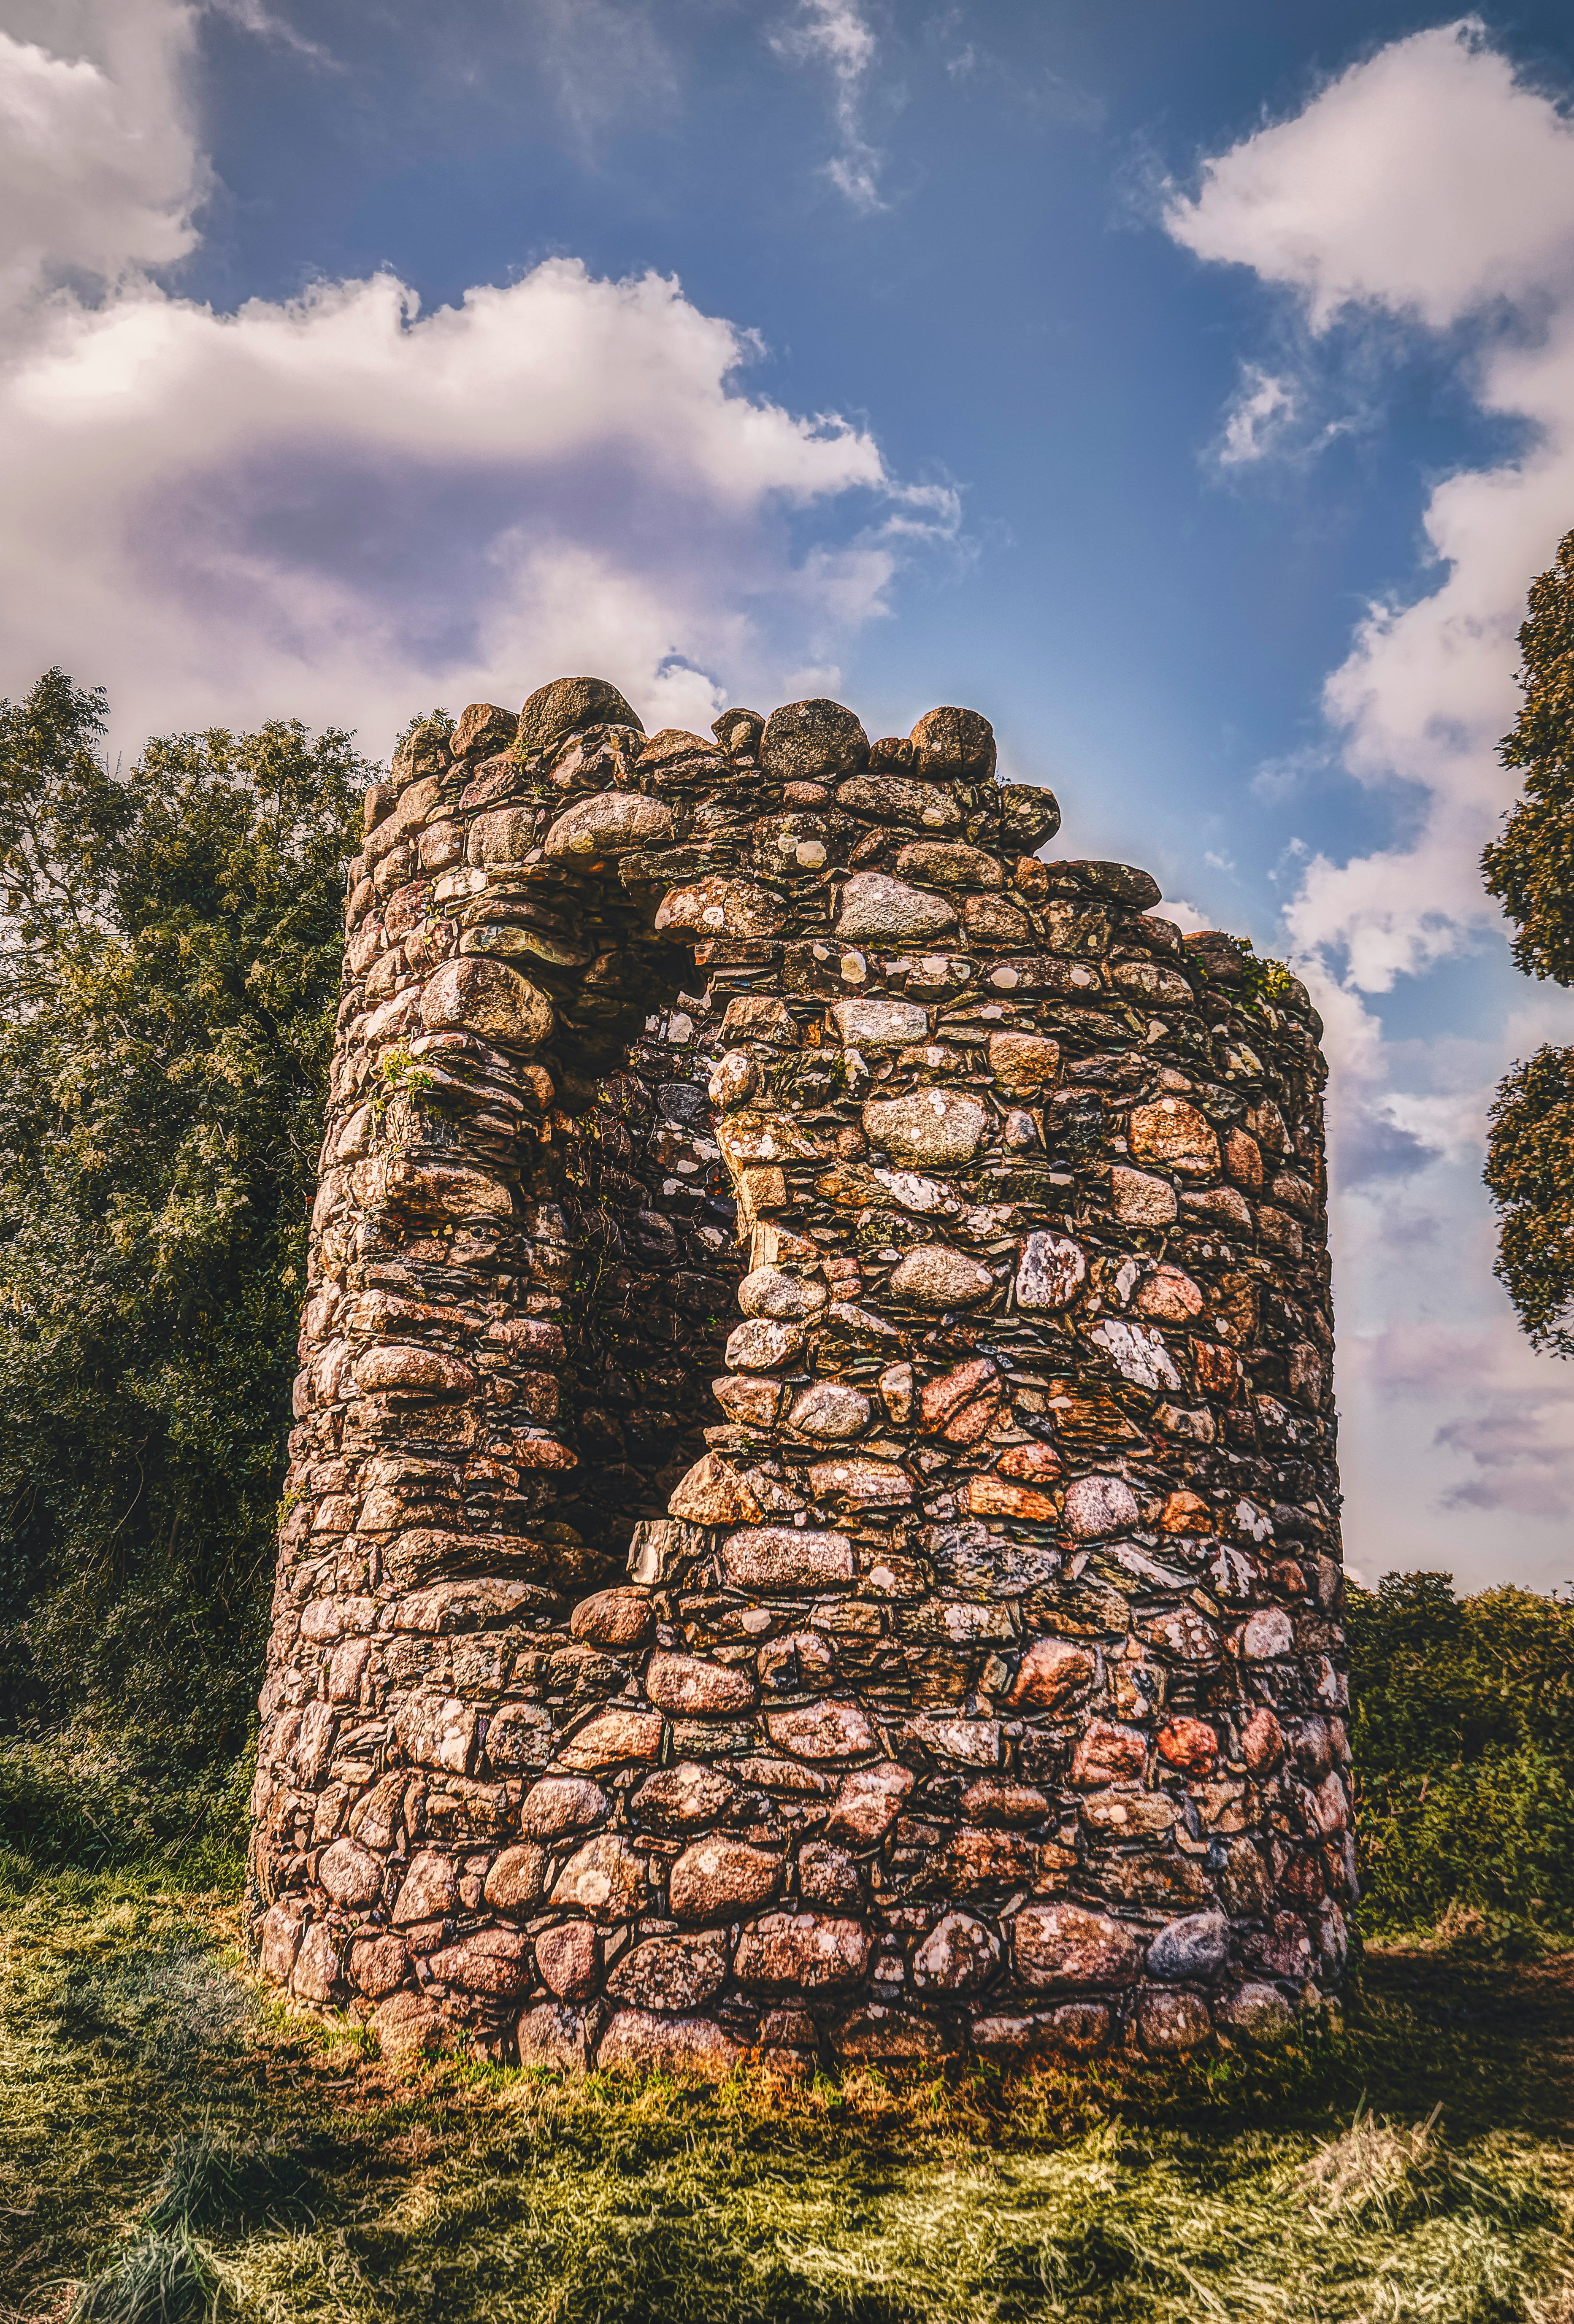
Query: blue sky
point(1190, 389)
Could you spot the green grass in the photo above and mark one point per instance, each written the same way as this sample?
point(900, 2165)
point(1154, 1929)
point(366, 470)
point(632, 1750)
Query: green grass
point(173, 2146)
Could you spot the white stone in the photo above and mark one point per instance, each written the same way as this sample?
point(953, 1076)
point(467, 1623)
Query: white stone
point(737, 906)
point(735, 1080)
point(769, 1291)
point(357, 1136)
point(830, 1410)
point(958, 1953)
point(873, 904)
point(870, 1484)
point(1140, 1199)
point(1050, 1271)
point(760, 1345)
point(351, 1874)
point(1195, 1422)
point(613, 823)
point(975, 1742)
point(436, 1732)
point(936, 1278)
point(489, 998)
point(938, 1127)
point(921, 1195)
point(1268, 1635)
point(1137, 1352)
point(1258, 2011)
point(880, 1024)
point(786, 1557)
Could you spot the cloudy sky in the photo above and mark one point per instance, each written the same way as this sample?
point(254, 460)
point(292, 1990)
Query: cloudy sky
point(1188, 387)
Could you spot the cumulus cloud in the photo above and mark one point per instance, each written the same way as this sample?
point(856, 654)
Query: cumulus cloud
point(1428, 189)
point(337, 505)
point(1431, 180)
point(1432, 1368)
point(99, 169)
point(836, 36)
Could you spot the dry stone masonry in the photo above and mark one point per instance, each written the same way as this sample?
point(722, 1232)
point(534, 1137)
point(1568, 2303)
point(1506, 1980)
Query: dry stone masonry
point(812, 1530)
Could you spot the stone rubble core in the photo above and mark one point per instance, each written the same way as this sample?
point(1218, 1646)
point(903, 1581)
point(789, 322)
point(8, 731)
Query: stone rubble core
point(976, 1680)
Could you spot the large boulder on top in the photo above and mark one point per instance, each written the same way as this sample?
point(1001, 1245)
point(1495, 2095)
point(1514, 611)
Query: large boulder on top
point(484, 727)
point(566, 704)
point(812, 742)
point(952, 742)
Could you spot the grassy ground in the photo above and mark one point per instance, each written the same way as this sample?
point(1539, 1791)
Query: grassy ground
point(172, 2147)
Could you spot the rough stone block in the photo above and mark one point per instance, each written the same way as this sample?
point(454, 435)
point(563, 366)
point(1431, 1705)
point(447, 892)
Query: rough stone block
point(1066, 1944)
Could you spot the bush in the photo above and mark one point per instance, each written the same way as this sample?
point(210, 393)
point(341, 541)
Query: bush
point(99, 1794)
point(1463, 1735)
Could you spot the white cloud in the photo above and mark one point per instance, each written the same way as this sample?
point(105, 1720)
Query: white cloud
point(1264, 408)
point(340, 507)
point(99, 170)
point(1431, 181)
point(1456, 1439)
point(1429, 188)
point(335, 503)
point(255, 17)
point(836, 35)
point(1504, 1454)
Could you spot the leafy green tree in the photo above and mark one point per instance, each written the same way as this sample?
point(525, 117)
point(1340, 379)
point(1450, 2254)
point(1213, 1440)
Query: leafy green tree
point(170, 962)
point(1530, 1153)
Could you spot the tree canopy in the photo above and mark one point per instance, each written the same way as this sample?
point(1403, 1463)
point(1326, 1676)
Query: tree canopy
point(170, 959)
point(1529, 869)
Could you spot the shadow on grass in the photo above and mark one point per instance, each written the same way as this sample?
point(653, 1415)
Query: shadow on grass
point(164, 2007)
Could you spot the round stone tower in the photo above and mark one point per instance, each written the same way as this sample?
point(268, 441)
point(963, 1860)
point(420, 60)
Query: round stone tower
point(812, 1523)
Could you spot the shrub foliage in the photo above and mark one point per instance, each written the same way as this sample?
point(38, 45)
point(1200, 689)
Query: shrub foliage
point(1464, 1745)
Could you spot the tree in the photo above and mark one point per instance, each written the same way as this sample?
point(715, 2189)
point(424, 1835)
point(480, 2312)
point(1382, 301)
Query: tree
point(1529, 868)
point(170, 965)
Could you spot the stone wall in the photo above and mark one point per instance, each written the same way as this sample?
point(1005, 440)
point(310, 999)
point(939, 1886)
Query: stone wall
point(944, 1650)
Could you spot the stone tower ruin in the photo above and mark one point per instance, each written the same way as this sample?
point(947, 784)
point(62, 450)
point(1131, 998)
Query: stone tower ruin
point(812, 1530)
